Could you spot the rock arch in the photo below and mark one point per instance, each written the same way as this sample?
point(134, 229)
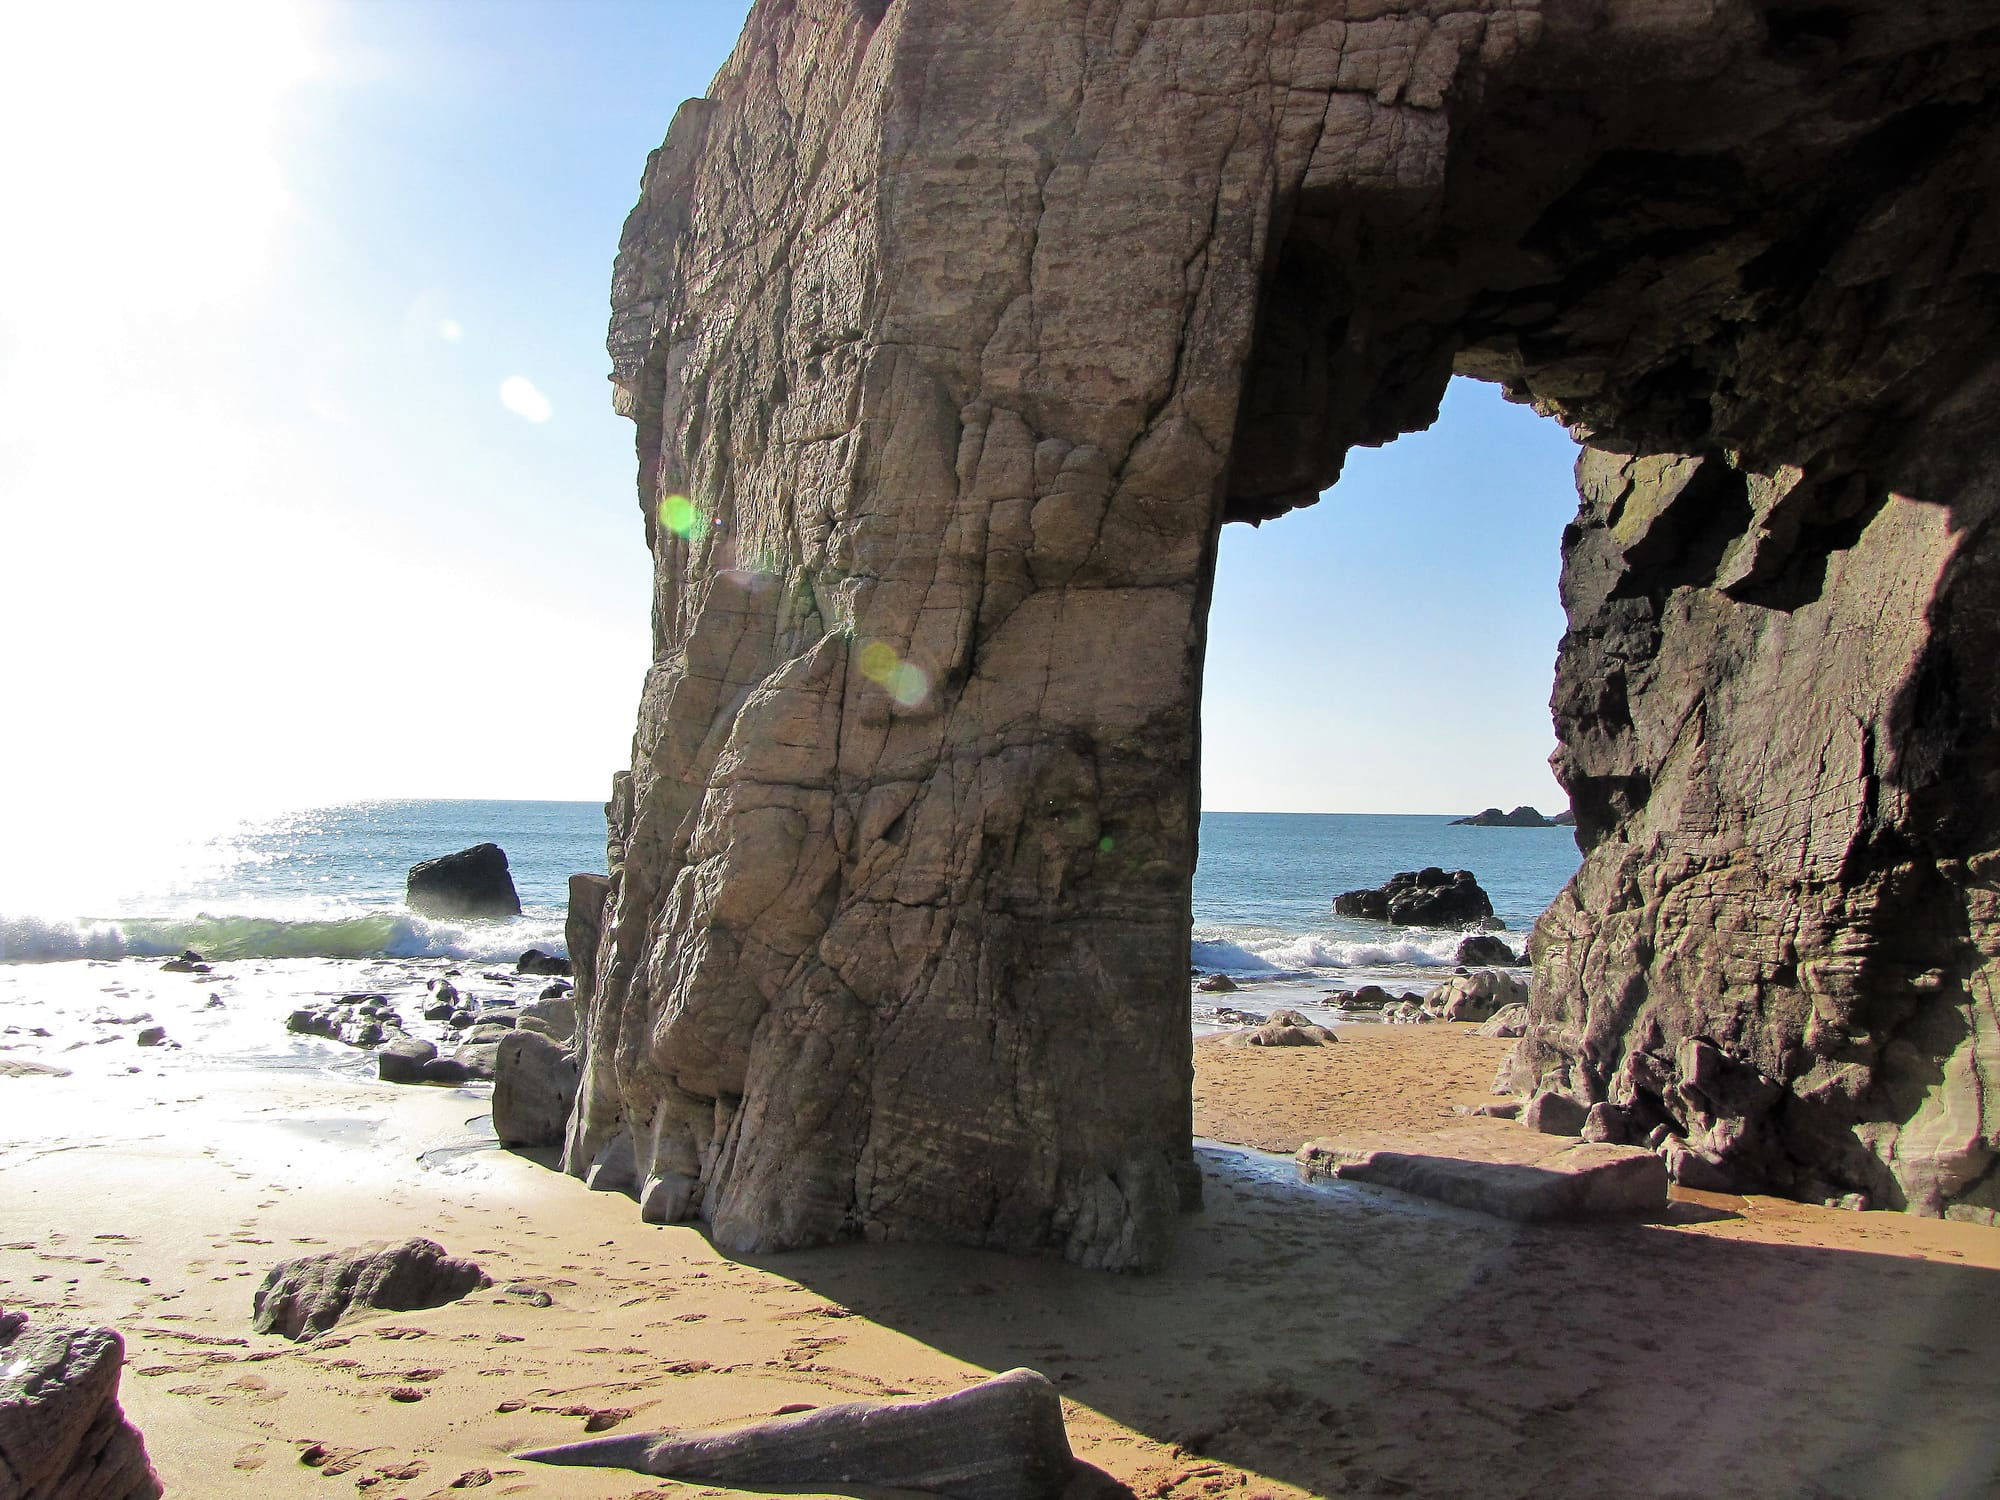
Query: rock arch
point(964, 326)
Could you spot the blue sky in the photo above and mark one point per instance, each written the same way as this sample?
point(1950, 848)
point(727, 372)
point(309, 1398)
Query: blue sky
point(313, 491)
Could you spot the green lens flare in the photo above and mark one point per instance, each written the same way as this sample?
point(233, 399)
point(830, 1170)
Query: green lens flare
point(679, 515)
point(878, 661)
point(1106, 844)
point(907, 683)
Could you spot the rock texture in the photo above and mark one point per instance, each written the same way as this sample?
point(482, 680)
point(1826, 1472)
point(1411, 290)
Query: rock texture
point(952, 332)
point(303, 1298)
point(1429, 897)
point(1002, 1439)
point(63, 1435)
point(473, 882)
point(1522, 1175)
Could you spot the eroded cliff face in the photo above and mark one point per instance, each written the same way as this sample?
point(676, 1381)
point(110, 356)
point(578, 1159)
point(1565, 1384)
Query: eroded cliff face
point(954, 331)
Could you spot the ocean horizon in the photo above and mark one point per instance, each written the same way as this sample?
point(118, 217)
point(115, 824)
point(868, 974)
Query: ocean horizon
point(328, 882)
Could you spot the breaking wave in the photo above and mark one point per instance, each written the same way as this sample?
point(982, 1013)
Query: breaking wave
point(1295, 953)
point(31, 939)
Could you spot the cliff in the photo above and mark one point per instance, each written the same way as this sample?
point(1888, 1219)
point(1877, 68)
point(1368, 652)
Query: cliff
point(952, 333)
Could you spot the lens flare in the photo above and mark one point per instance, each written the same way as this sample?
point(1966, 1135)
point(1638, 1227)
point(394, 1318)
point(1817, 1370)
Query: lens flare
point(905, 681)
point(680, 516)
point(1106, 844)
point(878, 660)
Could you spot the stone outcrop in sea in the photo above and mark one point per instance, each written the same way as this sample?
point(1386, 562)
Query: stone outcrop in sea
point(1429, 897)
point(473, 882)
point(952, 332)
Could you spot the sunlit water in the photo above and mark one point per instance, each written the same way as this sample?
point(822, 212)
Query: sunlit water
point(329, 883)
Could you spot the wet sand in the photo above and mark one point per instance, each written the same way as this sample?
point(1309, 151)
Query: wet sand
point(1338, 1340)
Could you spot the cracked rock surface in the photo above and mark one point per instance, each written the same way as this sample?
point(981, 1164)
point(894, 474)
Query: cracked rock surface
point(952, 332)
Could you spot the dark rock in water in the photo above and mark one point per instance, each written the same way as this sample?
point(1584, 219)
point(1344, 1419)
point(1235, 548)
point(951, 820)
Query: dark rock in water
point(557, 990)
point(534, 961)
point(1002, 1439)
point(474, 882)
point(534, 1087)
point(1484, 948)
point(1218, 984)
point(1430, 897)
point(63, 1435)
point(303, 1298)
point(1371, 904)
point(188, 963)
point(1520, 817)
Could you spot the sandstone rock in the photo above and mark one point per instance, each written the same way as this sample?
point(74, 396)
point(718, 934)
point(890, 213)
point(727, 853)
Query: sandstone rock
point(534, 961)
point(534, 1088)
point(1554, 1114)
point(1476, 996)
point(1607, 1124)
point(1527, 1178)
point(1298, 1033)
point(22, 1067)
point(473, 882)
point(1483, 948)
point(931, 469)
point(1692, 1169)
point(1002, 1439)
point(303, 1298)
point(63, 1435)
point(1508, 1020)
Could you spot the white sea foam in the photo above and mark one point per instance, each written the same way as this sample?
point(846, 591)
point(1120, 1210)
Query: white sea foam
point(1293, 953)
point(240, 935)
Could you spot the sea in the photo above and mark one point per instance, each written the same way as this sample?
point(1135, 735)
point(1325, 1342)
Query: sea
point(327, 883)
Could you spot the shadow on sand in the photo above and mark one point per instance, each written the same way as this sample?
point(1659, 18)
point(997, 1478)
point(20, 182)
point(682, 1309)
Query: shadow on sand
point(1356, 1341)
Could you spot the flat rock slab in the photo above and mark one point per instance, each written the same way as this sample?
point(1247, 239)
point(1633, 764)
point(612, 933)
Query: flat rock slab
point(1002, 1439)
point(1495, 1167)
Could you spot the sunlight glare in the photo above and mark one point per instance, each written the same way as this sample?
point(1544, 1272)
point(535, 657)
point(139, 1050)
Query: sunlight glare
point(518, 395)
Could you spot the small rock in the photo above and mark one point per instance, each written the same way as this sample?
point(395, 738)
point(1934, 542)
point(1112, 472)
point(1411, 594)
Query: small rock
point(403, 1061)
point(303, 1298)
point(1554, 1114)
point(534, 961)
point(152, 1036)
point(1606, 1124)
point(1218, 984)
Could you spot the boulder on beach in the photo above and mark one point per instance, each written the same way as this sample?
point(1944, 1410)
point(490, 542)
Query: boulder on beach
point(473, 882)
point(1218, 984)
point(1002, 1439)
point(62, 1431)
point(534, 1087)
point(1430, 897)
point(303, 1298)
point(1476, 996)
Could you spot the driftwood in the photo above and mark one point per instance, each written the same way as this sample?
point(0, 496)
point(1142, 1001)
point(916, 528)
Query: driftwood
point(1002, 1439)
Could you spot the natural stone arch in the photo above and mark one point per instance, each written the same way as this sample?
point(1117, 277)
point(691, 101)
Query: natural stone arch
point(966, 325)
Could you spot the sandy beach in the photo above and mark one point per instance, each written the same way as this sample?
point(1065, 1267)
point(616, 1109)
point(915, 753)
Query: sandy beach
point(1329, 1340)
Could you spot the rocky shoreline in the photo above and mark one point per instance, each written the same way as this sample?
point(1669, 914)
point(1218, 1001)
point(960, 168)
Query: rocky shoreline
point(152, 1190)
